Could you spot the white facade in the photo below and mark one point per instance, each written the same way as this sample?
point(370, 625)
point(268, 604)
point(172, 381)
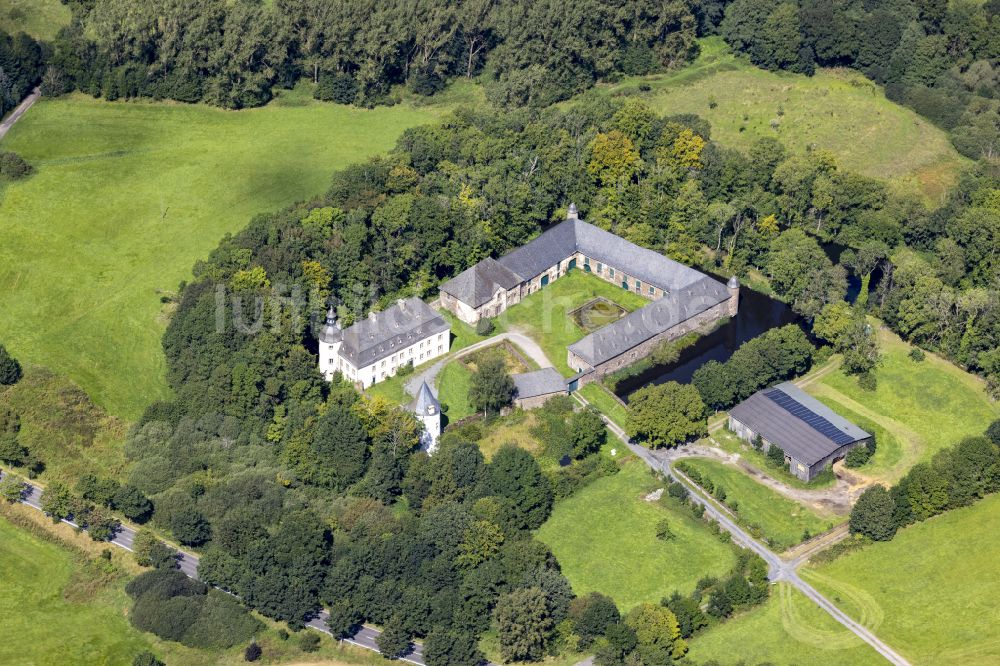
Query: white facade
point(332, 358)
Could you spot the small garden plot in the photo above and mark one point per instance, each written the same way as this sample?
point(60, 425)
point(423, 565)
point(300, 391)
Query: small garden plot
point(597, 313)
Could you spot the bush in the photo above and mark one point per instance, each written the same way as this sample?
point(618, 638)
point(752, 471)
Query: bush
point(873, 514)
point(776, 455)
point(164, 584)
point(252, 653)
point(917, 354)
point(867, 381)
point(12, 488)
point(309, 641)
point(484, 327)
point(146, 658)
point(993, 432)
point(10, 369)
point(223, 622)
point(406, 369)
point(13, 167)
point(857, 457)
point(663, 531)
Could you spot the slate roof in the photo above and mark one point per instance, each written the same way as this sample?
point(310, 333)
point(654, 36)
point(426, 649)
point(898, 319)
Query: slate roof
point(539, 382)
point(477, 285)
point(798, 435)
point(637, 327)
point(425, 398)
point(330, 333)
point(383, 334)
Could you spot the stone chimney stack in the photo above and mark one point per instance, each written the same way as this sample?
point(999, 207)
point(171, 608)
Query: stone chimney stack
point(571, 213)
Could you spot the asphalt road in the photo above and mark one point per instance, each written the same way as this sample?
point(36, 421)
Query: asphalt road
point(16, 114)
point(188, 563)
point(778, 569)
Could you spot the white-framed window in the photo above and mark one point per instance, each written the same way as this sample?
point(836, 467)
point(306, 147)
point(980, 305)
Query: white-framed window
point(611, 272)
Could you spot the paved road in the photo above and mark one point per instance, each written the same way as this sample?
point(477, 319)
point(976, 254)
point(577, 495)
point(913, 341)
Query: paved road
point(527, 345)
point(188, 563)
point(778, 569)
point(16, 114)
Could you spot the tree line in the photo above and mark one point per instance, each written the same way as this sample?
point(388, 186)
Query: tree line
point(22, 63)
point(957, 476)
point(934, 56)
point(234, 54)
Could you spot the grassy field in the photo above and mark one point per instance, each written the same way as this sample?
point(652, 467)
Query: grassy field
point(925, 406)
point(788, 630)
point(781, 520)
point(544, 314)
point(836, 110)
point(605, 539)
point(41, 19)
point(56, 609)
point(930, 592)
point(64, 428)
point(128, 195)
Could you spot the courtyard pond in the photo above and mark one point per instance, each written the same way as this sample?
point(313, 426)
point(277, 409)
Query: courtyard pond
point(758, 313)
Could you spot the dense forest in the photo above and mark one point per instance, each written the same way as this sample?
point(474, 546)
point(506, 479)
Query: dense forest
point(233, 54)
point(938, 57)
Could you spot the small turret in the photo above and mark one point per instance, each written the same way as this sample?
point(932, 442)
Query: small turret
point(734, 296)
point(330, 340)
point(571, 212)
point(330, 333)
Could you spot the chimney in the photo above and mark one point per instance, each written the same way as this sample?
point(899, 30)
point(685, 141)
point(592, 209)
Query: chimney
point(571, 213)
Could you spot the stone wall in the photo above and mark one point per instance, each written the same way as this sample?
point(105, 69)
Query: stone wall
point(536, 401)
point(699, 321)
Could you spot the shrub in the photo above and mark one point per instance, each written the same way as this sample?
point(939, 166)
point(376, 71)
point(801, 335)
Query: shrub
point(164, 584)
point(993, 432)
point(663, 531)
point(873, 514)
point(13, 167)
point(776, 455)
point(146, 658)
point(309, 641)
point(406, 369)
point(10, 369)
point(252, 653)
point(12, 488)
point(857, 457)
point(867, 381)
point(223, 622)
point(484, 326)
point(917, 354)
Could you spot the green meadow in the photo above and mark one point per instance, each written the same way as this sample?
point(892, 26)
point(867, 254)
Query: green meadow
point(128, 195)
point(919, 407)
point(41, 19)
point(836, 110)
point(788, 630)
point(930, 592)
point(605, 539)
point(782, 521)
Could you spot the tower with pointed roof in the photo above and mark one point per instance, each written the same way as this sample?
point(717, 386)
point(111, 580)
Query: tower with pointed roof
point(330, 340)
point(428, 410)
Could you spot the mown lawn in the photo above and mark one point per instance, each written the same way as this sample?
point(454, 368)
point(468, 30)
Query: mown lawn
point(926, 406)
point(781, 520)
point(544, 315)
point(41, 19)
point(836, 110)
point(599, 397)
point(605, 539)
point(453, 390)
point(788, 630)
point(127, 196)
point(930, 592)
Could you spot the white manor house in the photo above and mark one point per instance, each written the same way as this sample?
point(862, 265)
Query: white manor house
point(374, 348)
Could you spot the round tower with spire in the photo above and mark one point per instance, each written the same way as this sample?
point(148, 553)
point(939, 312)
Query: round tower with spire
point(330, 339)
point(428, 410)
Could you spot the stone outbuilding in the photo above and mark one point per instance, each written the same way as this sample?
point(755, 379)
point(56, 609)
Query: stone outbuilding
point(534, 389)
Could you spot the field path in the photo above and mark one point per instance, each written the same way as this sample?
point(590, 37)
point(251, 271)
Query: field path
point(21, 109)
